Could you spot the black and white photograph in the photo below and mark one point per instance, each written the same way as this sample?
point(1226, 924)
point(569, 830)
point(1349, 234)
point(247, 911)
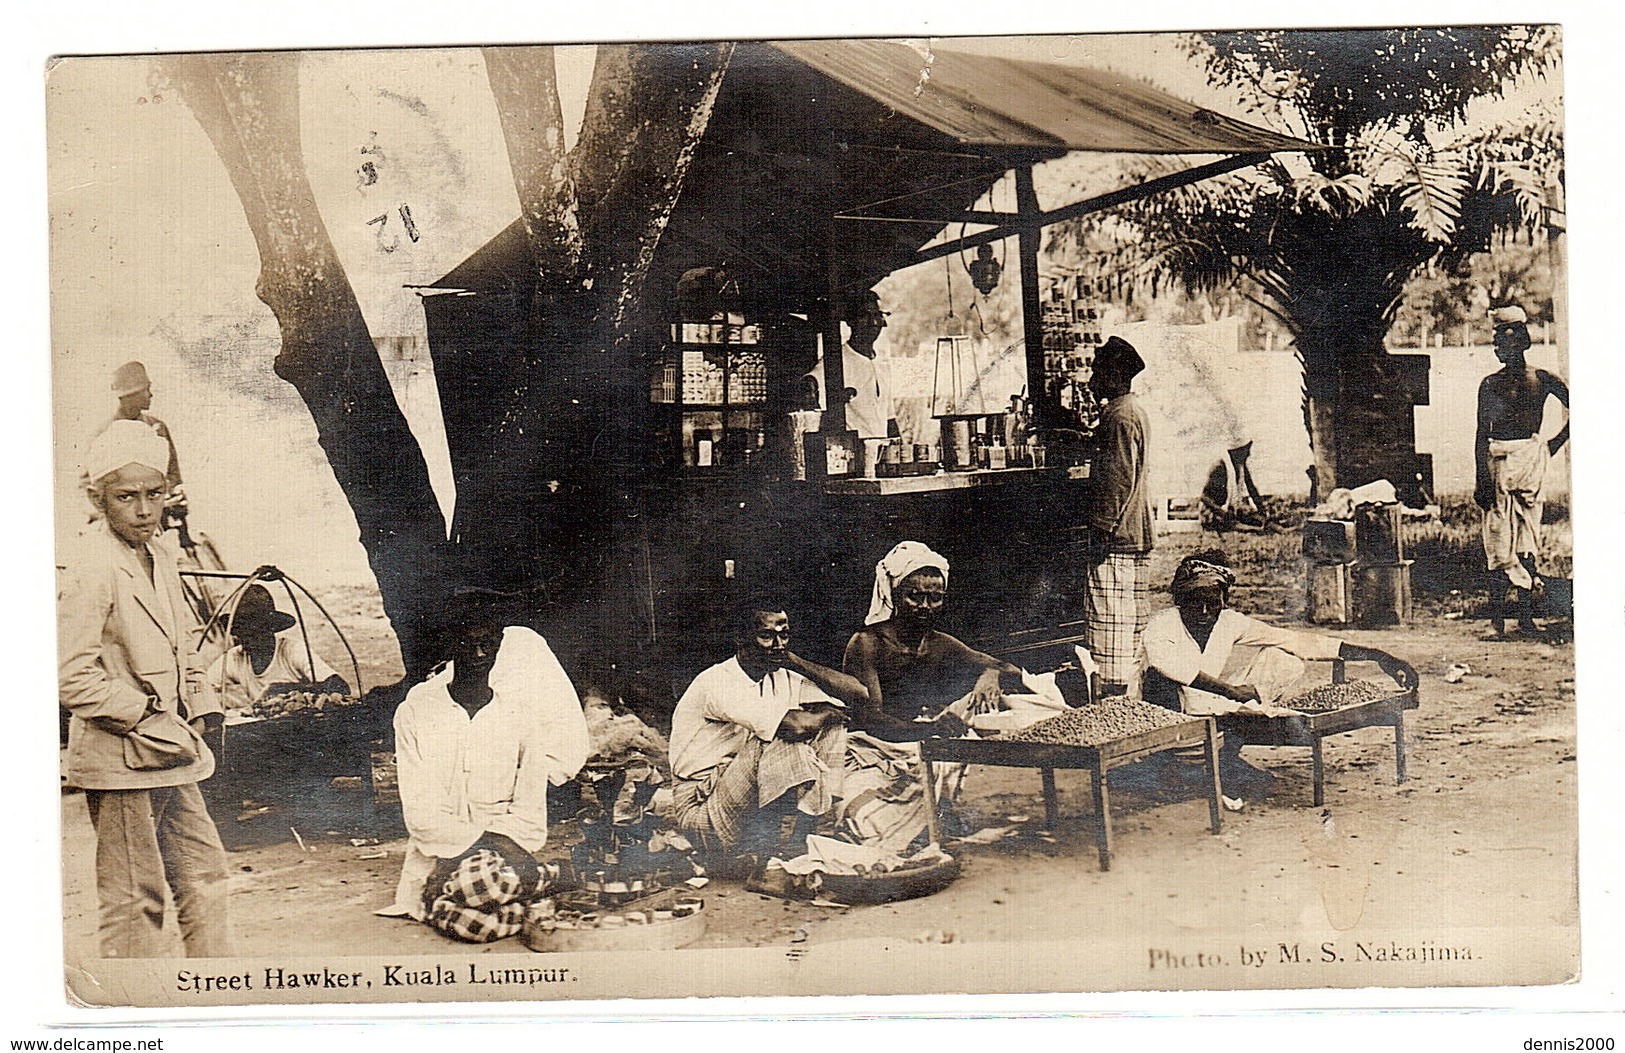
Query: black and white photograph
point(814, 516)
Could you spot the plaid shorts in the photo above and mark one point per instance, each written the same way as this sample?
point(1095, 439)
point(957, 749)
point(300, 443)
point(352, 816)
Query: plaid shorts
point(470, 925)
point(1116, 607)
point(481, 900)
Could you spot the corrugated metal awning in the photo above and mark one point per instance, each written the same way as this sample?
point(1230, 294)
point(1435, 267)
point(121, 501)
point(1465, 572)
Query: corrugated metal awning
point(987, 101)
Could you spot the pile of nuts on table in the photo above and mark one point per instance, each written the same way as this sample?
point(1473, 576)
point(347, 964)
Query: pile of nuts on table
point(1097, 724)
point(287, 702)
point(1340, 696)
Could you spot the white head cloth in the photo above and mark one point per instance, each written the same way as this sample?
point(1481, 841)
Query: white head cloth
point(125, 442)
point(900, 562)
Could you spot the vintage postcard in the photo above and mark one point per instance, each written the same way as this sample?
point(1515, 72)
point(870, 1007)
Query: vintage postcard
point(847, 516)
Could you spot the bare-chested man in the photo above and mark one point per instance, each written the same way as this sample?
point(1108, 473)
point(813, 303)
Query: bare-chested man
point(1511, 458)
point(915, 673)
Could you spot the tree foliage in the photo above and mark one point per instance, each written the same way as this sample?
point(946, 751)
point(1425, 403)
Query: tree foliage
point(1446, 297)
point(1426, 156)
point(1407, 175)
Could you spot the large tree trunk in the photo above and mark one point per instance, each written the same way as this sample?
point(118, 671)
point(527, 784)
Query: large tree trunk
point(547, 494)
point(551, 478)
point(1360, 406)
point(1359, 401)
point(248, 105)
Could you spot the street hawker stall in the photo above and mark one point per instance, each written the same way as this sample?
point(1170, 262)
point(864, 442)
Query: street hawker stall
point(297, 730)
point(1333, 709)
point(1096, 738)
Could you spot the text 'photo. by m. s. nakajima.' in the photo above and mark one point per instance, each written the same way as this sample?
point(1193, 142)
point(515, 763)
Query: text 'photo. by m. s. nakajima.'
point(1004, 514)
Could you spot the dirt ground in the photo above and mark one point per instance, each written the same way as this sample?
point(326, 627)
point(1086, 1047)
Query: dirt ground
point(1482, 833)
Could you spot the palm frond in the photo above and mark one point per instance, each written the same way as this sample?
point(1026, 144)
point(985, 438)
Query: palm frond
point(1433, 197)
point(1523, 181)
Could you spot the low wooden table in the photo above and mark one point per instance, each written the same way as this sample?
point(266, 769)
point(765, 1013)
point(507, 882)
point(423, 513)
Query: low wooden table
point(1097, 760)
point(1309, 729)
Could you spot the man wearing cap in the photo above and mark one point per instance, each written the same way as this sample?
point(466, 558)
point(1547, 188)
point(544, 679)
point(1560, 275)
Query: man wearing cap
point(127, 675)
point(1511, 459)
point(476, 745)
point(1117, 512)
point(133, 389)
point(870, 410)
point(263, 663)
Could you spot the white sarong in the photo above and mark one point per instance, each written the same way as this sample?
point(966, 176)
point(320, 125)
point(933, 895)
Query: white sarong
point(1512, 523)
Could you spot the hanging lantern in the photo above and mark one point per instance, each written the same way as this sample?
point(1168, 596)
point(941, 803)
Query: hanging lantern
point(985, 270)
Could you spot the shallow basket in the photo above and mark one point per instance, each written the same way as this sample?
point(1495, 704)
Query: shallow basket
point(890, 887)
point(654, 936)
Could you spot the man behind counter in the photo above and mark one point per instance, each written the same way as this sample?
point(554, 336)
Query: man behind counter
point(870, 409)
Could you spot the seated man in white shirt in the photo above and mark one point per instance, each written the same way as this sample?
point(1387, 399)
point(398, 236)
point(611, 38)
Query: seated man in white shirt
point(262, 663)
point(1188, 647)
point(758, 737)
point(477, 745)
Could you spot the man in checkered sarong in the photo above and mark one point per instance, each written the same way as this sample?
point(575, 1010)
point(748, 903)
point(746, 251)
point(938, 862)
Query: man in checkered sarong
point(477, 745)
point(1118, 514)
point(758, 738)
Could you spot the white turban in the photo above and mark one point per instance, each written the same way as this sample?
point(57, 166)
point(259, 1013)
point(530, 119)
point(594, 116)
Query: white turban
point(900, 562)
point(125, 442)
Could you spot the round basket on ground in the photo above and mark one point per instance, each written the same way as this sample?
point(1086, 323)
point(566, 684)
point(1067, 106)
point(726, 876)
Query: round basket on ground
point(549, 935)
point(910, 883)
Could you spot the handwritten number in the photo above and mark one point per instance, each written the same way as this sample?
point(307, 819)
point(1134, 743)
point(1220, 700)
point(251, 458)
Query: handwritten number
point(382, 220)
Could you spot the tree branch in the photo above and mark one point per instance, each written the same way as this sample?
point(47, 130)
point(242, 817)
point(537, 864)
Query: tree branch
point(525, 85)
point(248, 105)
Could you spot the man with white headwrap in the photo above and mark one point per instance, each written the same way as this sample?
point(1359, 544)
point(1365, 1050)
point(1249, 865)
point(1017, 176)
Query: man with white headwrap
point(921, 683)
point(129, 676)
point(1511, 456)
point(911, 668)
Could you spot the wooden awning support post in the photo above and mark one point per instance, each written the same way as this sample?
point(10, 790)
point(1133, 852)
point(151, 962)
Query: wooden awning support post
point(834, 419)
point(1032, 314)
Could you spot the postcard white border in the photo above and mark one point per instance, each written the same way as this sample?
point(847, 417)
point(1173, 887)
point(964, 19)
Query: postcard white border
point(31, 992)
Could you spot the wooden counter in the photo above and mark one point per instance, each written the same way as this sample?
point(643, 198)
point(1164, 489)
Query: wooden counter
point(863, 486)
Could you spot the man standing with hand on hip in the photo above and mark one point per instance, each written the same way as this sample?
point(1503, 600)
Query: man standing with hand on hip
point(1511, 457)
point(126, 674)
